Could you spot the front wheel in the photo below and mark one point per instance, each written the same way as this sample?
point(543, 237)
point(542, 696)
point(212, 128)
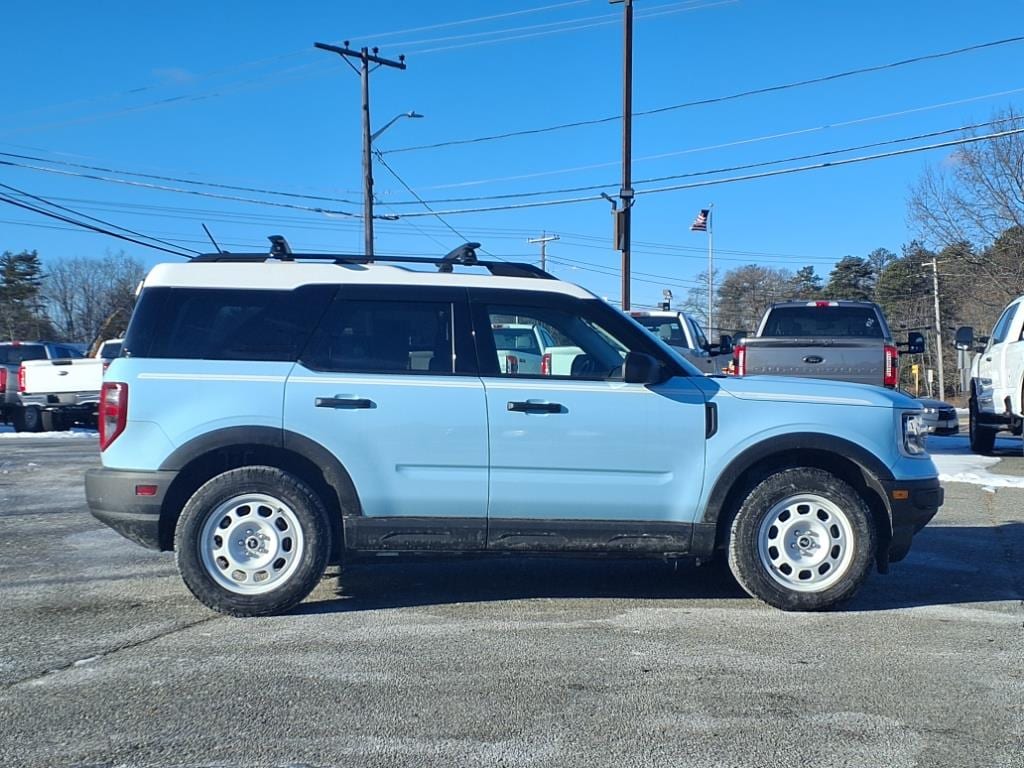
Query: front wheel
point(803, 540)
point(983, 439)
point(252, 541)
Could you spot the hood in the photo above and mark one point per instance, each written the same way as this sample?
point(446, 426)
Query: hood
point(792, 389)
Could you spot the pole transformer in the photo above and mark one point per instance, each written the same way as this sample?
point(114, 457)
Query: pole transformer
point(366, 57)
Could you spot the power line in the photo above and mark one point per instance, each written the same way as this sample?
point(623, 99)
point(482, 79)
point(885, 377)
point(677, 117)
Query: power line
point(92, 218)
point(84, 225)
point(728, 180)
point(713, 100)
point(726, 169)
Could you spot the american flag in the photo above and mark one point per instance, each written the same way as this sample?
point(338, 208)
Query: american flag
point(700, 224)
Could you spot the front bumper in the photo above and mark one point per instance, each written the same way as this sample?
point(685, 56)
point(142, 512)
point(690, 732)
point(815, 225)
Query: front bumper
point(114, 499)
point(913, 503)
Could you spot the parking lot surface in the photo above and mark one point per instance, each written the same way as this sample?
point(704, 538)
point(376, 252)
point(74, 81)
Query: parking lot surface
point(107, 660)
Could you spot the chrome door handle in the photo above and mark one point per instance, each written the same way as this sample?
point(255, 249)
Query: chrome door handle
point(525, 406)
point(344, 403)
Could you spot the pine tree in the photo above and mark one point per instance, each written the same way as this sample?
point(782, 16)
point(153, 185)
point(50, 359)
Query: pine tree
point(21, 276)
point(853, 278)
point(806, 284)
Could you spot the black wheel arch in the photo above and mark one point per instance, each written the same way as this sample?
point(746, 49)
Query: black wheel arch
point(215, 452)
point(864, 471)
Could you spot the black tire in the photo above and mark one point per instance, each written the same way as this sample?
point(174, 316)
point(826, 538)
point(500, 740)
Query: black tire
point(28, 419)
point(846, 530)
point(52, 421)
point(983, 439)
point(311, 543)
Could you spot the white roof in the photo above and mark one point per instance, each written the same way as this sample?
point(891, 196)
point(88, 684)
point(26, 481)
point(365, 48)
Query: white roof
point(290, 274)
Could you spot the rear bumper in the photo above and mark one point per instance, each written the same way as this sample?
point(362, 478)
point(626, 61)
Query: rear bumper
point(113, 498)
point(911, 514)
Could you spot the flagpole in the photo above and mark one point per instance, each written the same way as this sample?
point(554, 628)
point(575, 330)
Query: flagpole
point(711, 267)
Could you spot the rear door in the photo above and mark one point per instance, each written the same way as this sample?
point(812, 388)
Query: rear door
point(388, 385)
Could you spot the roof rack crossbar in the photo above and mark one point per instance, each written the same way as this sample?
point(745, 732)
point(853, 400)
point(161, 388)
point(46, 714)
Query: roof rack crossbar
point(464, 255)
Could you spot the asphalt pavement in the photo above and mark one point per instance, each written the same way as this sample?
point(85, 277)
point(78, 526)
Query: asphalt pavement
point(107, 660)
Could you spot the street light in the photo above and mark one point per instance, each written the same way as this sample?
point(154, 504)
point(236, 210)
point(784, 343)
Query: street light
point(368, 139)
point(392, 121)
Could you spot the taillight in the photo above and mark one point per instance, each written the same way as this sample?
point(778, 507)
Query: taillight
point(741, 360)
point(891, 377)
point(21, 378)
point(545, 364)
point(511, 364)
point(113, 411)
point(3, 379)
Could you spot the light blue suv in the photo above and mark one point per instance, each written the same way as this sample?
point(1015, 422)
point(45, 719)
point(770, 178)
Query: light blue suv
point(270, 415)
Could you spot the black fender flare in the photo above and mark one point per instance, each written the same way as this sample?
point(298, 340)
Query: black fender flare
point(284, 440)
point(874, 472)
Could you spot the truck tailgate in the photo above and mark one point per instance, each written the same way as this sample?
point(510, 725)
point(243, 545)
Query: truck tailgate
point(858, 361)
point(62, 376)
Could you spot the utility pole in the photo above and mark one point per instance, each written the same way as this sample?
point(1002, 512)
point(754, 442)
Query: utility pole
point(624, 213)
point(544, 239)
point(938, 327)
point(366, 57)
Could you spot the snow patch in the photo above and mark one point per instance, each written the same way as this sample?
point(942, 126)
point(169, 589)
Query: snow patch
point(956, 463)
point(8, 433)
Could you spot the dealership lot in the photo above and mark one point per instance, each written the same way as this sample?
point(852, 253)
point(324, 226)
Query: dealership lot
point(106, 659)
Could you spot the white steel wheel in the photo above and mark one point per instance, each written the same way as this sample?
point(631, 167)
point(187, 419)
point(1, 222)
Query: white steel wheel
point(803, 539)
point(805, 543)
point(251, 543)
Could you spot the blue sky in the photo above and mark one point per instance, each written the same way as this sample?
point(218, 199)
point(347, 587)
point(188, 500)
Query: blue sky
point(234, 93)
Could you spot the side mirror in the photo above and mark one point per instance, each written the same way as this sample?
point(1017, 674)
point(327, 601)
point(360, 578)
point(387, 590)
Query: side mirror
point(724, 344)
point(915, 343)
point(964, 337)
point(982, 344)
point(640, 368)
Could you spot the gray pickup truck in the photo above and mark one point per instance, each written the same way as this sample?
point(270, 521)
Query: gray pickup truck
point(841, 340)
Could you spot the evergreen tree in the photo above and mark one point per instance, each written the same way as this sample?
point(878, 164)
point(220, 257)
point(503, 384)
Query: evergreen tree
point(853, 278)
point(806, 284)
point(21, 311)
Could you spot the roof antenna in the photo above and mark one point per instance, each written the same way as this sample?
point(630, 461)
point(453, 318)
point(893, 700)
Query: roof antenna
point(219, 249)
point(279, 248)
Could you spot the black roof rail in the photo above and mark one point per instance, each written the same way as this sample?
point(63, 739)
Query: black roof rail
point(464, 255)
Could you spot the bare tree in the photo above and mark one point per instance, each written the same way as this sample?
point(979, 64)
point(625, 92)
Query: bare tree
point(977, 196)
point(92, 297)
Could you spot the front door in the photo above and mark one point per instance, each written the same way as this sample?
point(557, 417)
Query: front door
point(388, 385)
point(580, 459)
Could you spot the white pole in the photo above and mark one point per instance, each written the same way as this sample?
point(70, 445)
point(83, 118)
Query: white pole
point(711, 269)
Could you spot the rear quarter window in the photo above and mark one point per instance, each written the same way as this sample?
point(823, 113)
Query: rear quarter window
point(225, 324)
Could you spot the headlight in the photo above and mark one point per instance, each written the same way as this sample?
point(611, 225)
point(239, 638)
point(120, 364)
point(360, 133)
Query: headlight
point(931, 411)
point(914, 435)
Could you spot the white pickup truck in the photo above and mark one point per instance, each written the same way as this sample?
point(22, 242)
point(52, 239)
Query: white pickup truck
point(997, 378)
point(684, 333)
point(527, 348)
point(48, 386)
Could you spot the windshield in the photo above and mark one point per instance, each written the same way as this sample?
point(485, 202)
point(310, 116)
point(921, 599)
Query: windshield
point(816, 322)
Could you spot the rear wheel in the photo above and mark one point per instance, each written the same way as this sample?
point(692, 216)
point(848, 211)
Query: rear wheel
point(983, 439)
point(803, 540)
point(28, 419)
point(252, 542)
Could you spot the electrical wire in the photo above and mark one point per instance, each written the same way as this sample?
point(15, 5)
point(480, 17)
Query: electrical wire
point(713, 100)
point(727, 169)
point(84, 225)
point(728, 180)
point(92, 218)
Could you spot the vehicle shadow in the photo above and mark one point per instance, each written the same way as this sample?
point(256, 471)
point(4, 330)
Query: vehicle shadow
point(948, 565)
